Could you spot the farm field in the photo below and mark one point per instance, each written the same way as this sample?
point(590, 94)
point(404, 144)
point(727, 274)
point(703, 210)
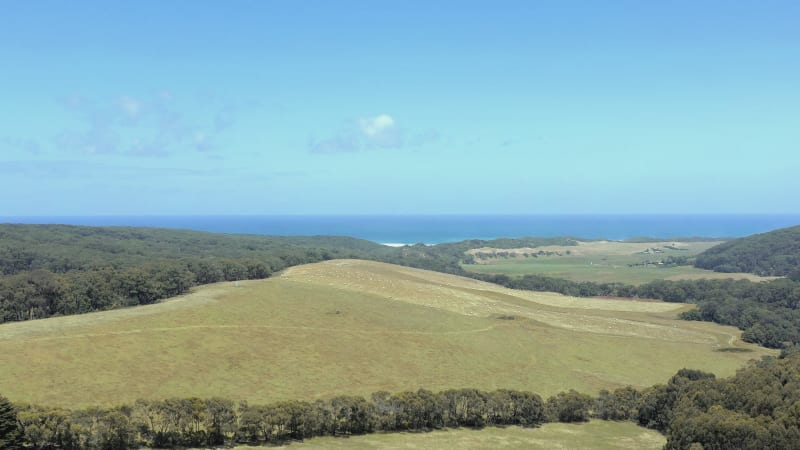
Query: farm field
point(597, 435)
point(356, 327)
point(600, 262)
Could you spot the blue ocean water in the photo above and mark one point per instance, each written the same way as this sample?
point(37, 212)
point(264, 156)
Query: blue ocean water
point(449, 228)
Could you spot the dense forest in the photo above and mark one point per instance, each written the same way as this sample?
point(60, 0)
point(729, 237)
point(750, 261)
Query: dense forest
point(67, 248)
point(776, 253)
point(758, 408)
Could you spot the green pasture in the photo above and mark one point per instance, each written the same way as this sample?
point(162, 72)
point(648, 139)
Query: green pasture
point(594, 435)
point(355, 327)
point(600, 262)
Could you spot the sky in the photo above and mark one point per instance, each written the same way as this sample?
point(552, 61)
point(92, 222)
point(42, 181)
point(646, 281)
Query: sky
point(401, 107)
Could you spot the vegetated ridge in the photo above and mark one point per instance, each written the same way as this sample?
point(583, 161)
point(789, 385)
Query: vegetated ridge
point(775, 253)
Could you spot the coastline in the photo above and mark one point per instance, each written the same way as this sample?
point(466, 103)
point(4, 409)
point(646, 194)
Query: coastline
point(435, 229)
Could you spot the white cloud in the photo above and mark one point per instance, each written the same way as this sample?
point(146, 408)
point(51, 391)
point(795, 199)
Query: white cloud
point(380, 132)
point(374, 127)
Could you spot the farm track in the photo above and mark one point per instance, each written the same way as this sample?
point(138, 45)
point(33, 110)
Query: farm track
point(256, 327)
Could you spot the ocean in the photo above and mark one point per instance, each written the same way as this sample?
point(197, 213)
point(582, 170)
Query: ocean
point(433, 229)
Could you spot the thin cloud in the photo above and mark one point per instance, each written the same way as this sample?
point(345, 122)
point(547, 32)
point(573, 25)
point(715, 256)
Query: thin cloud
point(202, 142)
point(344, 143)
point(424, 137)
point(152, 126)
point(152, 148)
point(97, 140)
point(371, 133)
point(130, 106)
point(83, 169)
point(29, 146)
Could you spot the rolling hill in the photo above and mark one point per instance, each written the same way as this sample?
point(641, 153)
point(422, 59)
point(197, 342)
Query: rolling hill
point(356, 327)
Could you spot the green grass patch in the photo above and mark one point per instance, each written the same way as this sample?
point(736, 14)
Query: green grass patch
point(597, 434)
point(600, 262)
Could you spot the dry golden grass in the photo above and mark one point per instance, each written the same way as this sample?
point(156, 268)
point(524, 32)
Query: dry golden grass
point(355, 327)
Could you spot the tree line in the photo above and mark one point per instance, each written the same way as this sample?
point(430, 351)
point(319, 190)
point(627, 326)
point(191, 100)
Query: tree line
point(758, 408)
point(195, 422)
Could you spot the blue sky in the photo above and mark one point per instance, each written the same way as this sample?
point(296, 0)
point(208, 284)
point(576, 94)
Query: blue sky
point(364, 107)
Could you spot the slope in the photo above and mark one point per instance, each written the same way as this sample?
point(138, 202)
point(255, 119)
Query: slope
point(775, 253)
point(355, 327)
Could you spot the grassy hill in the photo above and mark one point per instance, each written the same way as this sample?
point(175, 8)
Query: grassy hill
point(356, 327)
point(776, 253)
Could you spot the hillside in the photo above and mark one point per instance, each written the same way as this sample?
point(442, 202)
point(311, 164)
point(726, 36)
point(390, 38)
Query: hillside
point(350, 327)
point(775, 253)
